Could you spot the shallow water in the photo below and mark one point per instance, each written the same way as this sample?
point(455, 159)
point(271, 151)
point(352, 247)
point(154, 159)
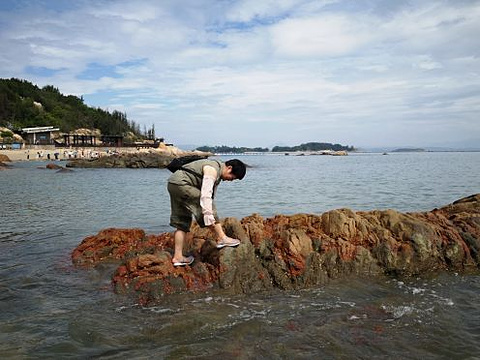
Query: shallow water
point(49, 309)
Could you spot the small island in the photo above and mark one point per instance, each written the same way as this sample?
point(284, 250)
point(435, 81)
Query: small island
point(313, 146)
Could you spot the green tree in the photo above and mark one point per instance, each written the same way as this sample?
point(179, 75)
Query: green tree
point(18, 110)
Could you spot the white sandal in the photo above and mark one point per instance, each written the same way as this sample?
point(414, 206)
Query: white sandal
point(186, 261)
point(228, 242)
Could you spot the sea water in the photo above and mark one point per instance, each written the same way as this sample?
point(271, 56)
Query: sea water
point(50, 309)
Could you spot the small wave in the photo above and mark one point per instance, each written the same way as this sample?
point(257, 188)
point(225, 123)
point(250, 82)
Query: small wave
point(159, 310)
point(398, 311)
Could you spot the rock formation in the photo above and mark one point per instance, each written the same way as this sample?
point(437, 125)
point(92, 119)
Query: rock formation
point(151, 158)
point(292, 252)
point(60, 169)
point(3, 160)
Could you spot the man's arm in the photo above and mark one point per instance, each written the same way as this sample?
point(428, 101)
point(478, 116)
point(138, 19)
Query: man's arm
point(206, 192)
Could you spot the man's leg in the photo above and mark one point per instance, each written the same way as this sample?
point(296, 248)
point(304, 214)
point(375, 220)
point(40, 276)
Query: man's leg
point(180, 218)
point(178, 258)
point(219, 231)
point(179, 237)
point(222, 239)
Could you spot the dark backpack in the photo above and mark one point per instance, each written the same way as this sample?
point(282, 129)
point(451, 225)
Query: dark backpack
point(177, 163)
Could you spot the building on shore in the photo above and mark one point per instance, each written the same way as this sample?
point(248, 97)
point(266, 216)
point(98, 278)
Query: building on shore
point(41, 135)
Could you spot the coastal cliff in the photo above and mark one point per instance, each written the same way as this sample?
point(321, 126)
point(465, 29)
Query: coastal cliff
point(292, 252)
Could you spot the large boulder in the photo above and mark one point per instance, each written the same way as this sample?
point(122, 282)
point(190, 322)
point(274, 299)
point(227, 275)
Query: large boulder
point(292, 252)
point(151, 158)
point(128, 160)
point(4, 158)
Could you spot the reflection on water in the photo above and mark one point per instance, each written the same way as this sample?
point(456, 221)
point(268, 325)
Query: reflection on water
point(49, 309)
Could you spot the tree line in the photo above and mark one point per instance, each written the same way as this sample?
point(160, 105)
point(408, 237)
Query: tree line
point(23, 104)
point(228, 149)
point(311, 146)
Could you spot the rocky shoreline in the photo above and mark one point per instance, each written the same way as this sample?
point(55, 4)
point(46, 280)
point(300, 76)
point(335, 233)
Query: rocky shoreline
point(99, 158)
point(291, 252)
point(138, 160)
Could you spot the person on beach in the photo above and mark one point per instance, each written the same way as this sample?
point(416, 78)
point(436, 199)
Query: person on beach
point(192, 190)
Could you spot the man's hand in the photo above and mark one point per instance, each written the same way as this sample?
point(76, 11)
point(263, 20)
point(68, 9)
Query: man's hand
point(209, 220)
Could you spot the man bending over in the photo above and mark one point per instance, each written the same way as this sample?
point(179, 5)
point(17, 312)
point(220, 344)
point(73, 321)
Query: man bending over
point(192, 190)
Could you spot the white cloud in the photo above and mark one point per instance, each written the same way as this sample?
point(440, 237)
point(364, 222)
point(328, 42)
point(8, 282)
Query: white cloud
point(138, 11)
point(425, 62)
point(320, 36)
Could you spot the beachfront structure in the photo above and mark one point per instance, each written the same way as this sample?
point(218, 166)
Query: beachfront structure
point(82, 140)
point(112, 140)
point(77, 140)
point(41, 135)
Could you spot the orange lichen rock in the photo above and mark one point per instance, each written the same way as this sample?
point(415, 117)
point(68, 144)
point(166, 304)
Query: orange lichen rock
point(291, 252)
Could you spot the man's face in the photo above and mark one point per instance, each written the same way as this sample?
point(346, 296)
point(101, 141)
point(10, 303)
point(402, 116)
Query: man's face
point(227, 174)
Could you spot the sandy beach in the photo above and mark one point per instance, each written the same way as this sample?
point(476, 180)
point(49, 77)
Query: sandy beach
point(48, 154)
point(22, 155)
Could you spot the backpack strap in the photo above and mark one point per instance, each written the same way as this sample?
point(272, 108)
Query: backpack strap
point(197, 174)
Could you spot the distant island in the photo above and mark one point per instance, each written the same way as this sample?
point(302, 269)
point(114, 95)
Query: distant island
point(311, 146)
point(223, 149)
point(408, 150)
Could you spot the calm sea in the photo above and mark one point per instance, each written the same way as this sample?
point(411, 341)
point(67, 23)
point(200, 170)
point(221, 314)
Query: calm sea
point(49, 309)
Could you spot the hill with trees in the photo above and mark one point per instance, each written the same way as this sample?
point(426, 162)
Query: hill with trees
point(23, 104)
point(313, 146)
point(223, 149)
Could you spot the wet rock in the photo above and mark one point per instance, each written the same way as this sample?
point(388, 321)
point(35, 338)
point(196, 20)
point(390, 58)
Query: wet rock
point(4, 158)
point(53, 166)
point(117, 244)
point(292, 252)
point(64, 170)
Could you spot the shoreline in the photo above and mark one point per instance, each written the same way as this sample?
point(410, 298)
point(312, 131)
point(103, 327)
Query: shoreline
point(68, 153)
point(32, 155)
point(48, 154)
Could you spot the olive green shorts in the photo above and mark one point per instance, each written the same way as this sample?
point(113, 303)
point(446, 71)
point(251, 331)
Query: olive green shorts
point(185, 203)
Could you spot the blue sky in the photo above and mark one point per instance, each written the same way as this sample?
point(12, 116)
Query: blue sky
point(367, 73)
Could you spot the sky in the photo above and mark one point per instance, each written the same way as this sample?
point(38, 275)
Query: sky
point(364, 73)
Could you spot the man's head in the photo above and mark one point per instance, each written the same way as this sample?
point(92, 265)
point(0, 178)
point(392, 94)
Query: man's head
point(234, 169)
